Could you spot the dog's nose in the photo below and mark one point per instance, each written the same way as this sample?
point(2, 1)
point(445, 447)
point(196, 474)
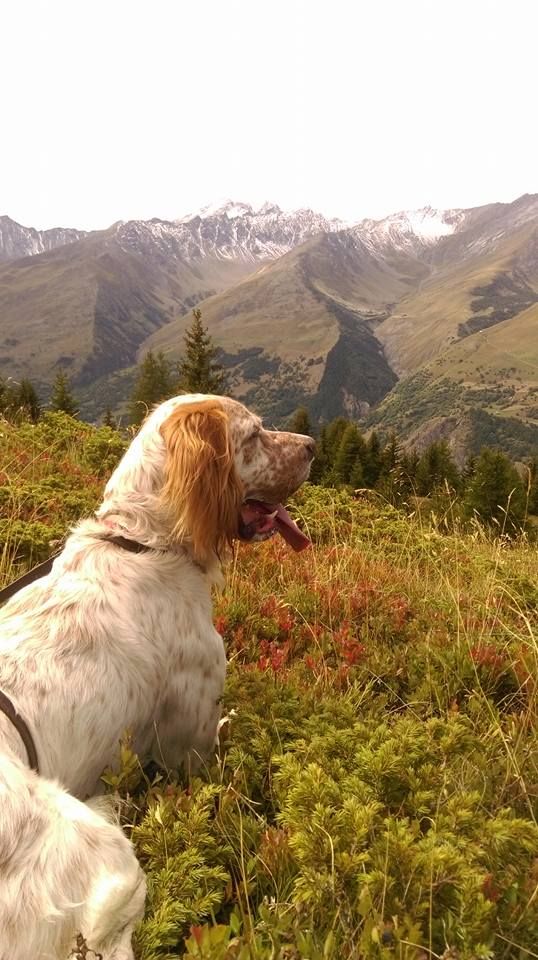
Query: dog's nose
point(311, 447)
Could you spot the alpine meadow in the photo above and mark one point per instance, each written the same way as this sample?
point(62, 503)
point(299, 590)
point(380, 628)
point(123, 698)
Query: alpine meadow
point(374, 790)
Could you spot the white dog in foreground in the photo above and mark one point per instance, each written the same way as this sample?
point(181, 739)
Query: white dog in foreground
point(120, 636)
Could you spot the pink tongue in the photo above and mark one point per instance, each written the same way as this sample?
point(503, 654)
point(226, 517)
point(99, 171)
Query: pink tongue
point(254, 510)
point(289, 529)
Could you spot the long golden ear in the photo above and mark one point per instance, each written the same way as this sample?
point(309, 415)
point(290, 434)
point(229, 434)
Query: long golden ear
point(202, 489)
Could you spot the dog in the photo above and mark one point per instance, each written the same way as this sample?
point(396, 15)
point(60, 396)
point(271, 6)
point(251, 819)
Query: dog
point(119, 636)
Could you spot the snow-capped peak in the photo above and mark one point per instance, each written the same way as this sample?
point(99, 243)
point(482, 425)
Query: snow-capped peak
point(227, 230)
point(429, 223)
point(410, 227)
point(220, 208)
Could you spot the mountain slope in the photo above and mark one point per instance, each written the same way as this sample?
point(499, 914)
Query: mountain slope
point(302, 308)
point(85, 307)
point(477, 276)
point(348, 312)
point(87, 304)
point(481, 390)
point(312, 317)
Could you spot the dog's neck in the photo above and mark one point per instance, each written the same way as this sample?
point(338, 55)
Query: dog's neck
point(119, 523)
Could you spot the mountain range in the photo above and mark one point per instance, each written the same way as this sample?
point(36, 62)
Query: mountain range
point(424, 322)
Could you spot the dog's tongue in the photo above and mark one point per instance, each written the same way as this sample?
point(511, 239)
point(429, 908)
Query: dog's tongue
point(289, 529)
point(282, 522)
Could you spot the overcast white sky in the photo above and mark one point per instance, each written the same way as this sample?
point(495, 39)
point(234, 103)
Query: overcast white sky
point(119, 109)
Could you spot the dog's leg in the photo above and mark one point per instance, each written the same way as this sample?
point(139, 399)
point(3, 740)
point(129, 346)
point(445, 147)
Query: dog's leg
point(186, 728)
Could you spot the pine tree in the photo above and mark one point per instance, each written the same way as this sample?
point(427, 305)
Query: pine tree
point(198, 371)
point(372, 460)
point(409, 466)
point(28, 400)
point(334, 431)
point(109, 419)
point(356, 478)
point(62, 398)
point(349, 454)
point(300, 422)
point(495, 494)
point(390, 456)
point(154, 383)
point(436, 468)
point(323, 470)
point(318, 470)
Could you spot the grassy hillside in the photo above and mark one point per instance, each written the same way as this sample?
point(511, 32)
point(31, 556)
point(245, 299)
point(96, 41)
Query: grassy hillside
point(312, 316)
point(482, 390)
point(468, 288)
point(375, 792)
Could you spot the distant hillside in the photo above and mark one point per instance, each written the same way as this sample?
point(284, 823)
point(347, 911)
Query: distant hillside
point(88, 301)
point(409, 322)
point(483, 390)
point(334, 323)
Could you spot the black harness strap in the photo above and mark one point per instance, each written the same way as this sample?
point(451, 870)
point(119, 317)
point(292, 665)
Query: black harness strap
point(35, 573)
point(21, 727)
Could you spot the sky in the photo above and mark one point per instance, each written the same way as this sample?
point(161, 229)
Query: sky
point(121, 109)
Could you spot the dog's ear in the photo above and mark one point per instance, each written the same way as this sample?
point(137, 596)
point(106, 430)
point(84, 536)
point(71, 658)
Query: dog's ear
point(202, 490)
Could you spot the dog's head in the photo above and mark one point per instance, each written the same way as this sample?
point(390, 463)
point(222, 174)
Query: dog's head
point(217, 473)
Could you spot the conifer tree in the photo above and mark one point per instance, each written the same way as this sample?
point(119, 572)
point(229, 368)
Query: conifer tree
point(409, 466)
point(318, 470)
point(28, 401)
point(154, 383)
point(372, 460)
point(356, 478)
point(198, 371)
point(62, 398)
point(495, 493)
point(300, 422)
point(323, 469)
point(348, 458)
point(334, 431)
point(109, 419)
point(435, 468)
point(390, 456)
point(468, 470)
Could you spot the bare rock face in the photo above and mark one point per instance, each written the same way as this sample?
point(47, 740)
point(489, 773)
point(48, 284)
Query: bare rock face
point(227, 231)
point(17, 241)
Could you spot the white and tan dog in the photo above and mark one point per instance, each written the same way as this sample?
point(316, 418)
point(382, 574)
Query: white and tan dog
point(113, 640)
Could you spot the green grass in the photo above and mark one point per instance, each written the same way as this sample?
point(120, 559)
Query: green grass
point(375, 790)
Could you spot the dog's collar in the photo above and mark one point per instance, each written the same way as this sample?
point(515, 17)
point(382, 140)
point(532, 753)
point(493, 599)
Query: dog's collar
point(7, 708)
point(133, 546)
point(42, 569)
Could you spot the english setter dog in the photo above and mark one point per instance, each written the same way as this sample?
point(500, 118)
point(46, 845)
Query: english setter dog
point(115, 639)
